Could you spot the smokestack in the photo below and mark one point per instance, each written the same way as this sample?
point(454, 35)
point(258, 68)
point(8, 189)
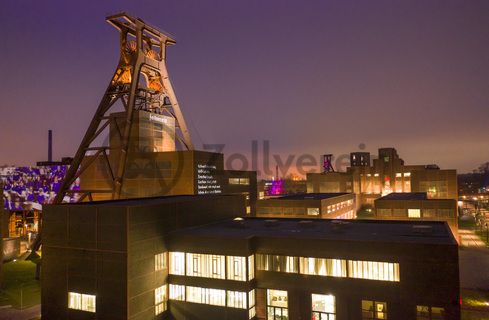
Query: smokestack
point(50, 145)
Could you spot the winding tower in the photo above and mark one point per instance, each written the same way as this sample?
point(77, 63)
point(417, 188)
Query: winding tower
point(140, 83)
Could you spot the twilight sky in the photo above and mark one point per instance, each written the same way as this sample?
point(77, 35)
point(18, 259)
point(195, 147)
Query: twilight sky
point(309, 76)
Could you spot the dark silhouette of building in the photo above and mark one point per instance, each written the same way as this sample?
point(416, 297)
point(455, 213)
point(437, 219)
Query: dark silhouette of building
point(194, 257)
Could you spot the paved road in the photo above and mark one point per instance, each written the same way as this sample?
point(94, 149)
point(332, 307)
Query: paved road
point(470, 239)
point(26, 314)
point(474, 268)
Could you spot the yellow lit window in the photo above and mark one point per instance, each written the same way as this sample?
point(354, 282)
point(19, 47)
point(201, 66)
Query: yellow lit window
point(323, 307)
point(177, 263)
point(414, 213)
point(206, 265)
point(372, 270)
point(79, 301)
point(251, 304)
point(269, 262)
point(177, 292)
point(160, 300)
point(277, 304)
point(236, 299)
point(323, 267)
point(160, 261)
point(374, 310)
point(251, 267)
point(313, 211)
point(236, 268)
point(216, 297)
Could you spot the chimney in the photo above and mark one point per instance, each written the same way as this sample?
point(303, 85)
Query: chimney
point(50, 145)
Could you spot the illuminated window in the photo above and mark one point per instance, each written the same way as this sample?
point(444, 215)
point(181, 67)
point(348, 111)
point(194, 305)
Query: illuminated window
point(407, 174)
point(177, 263)
point(374, 310)
point(323, 307)
point(398, 175)
point(269, 262)
point(177, 292)
point(414, 213)
point(215, 297)
point(206, 265)
point(236, 299)
point(160, 300)
point(277, 305)
point(241, 181)
point(429, 313)
point(80, 301)
point(236, 268)
point(160, 261)
point(313, 211)
point(251, 304)
point(323, 267)
point(248, 209)
point(251, 267)
point(372, 270)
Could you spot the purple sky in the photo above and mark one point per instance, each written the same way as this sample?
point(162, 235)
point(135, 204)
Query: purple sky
point(310, 76)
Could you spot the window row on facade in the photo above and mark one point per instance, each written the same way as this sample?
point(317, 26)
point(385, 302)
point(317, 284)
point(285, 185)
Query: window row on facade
point(212, 266)
point(215, 297)
point(323, 306)
point(241, 181)
point(371, 270)
point(416, 212)
point(338, 206)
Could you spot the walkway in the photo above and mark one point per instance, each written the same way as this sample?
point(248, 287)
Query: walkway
point(470, 239)
point(25, 314)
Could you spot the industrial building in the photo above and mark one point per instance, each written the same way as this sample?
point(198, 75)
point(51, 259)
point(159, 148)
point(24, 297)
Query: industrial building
point(105, 259)
point(149, 151)
point(194, 257)
point(150, 174)
point(387, 174)
point(279, 187)
point(310, 205)
point(417, 206)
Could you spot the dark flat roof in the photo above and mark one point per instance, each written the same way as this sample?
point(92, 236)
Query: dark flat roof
point(428, 232)
point(147, 201)
point(405, 196)
point(311, 196)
